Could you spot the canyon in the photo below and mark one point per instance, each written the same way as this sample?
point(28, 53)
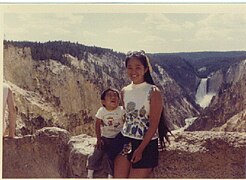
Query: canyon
point(57, 96)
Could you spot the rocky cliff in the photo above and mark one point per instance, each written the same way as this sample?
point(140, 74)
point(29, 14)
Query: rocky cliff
point(66, 92)
point(51, 90)
point(41, 155)
point(174, 96)
point(54, 153)
point(227, 109)
point(41, 85)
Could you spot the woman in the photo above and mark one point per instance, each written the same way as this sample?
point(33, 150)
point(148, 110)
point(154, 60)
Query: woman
point(138, 141)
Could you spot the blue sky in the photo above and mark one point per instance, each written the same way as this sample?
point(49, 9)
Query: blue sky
point(153, 31)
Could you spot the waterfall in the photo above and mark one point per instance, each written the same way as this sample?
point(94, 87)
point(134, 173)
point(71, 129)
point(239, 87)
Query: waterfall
point(202, 89)
point(202, 97)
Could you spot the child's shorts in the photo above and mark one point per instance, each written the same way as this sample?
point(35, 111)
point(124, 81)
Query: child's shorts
point(126, 146)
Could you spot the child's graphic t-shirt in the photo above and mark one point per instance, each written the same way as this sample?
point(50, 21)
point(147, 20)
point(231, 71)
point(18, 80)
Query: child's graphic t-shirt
point(112, 121)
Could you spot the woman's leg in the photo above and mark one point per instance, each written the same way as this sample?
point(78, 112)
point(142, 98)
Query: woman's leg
point(121, 167)
point(140, 172)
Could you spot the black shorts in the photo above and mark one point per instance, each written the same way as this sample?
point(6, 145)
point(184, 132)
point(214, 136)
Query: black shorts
point(125, 146)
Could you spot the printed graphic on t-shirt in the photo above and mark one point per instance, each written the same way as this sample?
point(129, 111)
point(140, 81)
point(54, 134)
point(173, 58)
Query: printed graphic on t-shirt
point(136, 121)
point(111, 122)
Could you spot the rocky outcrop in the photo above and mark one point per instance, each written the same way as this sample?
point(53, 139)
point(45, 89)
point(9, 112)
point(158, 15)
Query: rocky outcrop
point(42, 155)
point(174, 96)
point(230, 101)
point(215, 81)
point(80, 147)
point(52, 153)
point(60, 94)
point(204, 155)
point(237, 123)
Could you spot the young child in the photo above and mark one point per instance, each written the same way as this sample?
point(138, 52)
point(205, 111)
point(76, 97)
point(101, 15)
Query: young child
point(109, 123)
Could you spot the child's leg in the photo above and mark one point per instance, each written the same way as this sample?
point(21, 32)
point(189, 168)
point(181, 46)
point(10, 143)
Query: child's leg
point(110, 176)
point(94, 162)
point(90, 173)
point(108, 163)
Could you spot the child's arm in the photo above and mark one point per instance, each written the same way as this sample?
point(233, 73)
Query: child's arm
point(98, 133)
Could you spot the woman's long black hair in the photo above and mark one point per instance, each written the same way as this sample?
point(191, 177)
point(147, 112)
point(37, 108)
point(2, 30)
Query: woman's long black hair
point(162, 127)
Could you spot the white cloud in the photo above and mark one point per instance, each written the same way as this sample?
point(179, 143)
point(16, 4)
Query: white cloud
point(152, 38)
point(88, 34)
point(71, 19)
point(152, 32)
point(41, 27)
point(228, 21)
point(208, 33)
point(124, 30)
point(156, 19)
point(152, 43)
point(178, 40)
point(160, 22)
point(221, 27)
point(188, 25)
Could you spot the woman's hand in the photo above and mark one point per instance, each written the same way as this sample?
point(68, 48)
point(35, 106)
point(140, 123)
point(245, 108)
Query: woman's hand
point(137, 156)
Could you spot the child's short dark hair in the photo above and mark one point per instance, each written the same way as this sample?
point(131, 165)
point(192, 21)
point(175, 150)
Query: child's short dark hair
point(107, 90)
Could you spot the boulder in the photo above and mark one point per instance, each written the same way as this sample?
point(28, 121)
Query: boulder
point(204, 154)
point(42, 155)
point(80, 147)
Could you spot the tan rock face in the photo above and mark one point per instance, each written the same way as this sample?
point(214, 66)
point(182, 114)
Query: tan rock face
point(19, 63)
point(52, 153)
point(204, 155)
point(214, 82)
point(68, 95)
point(173, 99)
point(59, 94)
point(80, 147)
point(237, 123)
point(41, 155)
point(226, 109)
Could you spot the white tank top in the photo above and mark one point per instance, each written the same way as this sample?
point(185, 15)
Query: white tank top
point(137, 106)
